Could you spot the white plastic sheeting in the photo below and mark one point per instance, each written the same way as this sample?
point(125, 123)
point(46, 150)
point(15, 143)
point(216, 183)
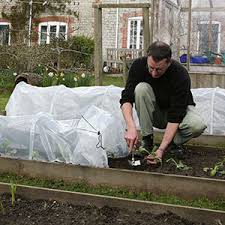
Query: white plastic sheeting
point(210, 103)
point(62, 102)
point(62, 124)
point(76, 141)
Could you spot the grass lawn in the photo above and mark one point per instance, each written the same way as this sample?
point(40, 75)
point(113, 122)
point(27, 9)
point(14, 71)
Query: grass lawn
point(107, 80)
point(110, 80)
point(84, 187)
point(4, 96)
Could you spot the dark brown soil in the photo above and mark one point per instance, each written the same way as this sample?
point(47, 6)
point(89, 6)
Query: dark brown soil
point(42, 212)
point(195, 157)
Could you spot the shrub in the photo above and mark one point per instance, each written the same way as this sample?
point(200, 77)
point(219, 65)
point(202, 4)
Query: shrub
point(75, 53)
point(85, 46)
point(7, 78)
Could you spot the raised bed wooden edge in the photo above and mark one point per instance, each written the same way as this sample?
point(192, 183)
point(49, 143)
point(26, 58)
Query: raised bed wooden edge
point(181, 186)
point(209, 217)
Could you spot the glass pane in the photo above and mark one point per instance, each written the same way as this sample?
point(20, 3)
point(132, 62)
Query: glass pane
point(133, 34)
point(62, 32)
point(4, 34)
point(43, 35)
point(205, 34)
point(62, 29)
point(141, 36)
point(53, 32)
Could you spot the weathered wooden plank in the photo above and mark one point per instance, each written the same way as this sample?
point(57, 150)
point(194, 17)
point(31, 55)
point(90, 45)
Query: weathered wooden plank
point(121, 5)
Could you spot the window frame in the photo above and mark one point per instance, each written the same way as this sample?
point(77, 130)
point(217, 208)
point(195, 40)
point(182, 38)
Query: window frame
point(7, 24)
point(219, 33)
point(49, 24)
point(139, 20)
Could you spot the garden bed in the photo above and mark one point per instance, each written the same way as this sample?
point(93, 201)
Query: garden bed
point(33, 205)
point(200, 162)
point(52, 212)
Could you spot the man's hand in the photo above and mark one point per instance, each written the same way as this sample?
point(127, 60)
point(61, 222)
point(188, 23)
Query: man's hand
point(131, 137)
point(156, 158)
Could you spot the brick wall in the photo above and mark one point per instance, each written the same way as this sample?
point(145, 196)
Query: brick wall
point(109, 24)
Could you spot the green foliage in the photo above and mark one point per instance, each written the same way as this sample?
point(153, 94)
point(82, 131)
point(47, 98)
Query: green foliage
point(83, 187)
point(7, 78)
point(152, 154)
point(179, 165)
point(85, 46)
point(68, 79)
point(217, 169)
point(4, 96)
point(144, 151)
point(77, 52)
point(2, 209)
point(13, 193)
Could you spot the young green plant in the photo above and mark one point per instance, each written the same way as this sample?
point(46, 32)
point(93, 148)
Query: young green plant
point(145, 151)
point(2, 209)
point(179, 165)
point(151, 153)
point(218, 168)
point(13, 193)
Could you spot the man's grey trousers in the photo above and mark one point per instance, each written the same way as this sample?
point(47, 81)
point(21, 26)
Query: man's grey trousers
point(150, 115)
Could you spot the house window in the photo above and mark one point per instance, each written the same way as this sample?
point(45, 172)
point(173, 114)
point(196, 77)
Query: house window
point(50, 31)
point(4, 33)
point(135, 33)
point(203, 37)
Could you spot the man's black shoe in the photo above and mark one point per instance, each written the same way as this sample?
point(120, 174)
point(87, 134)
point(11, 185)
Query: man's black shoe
point(177, 151)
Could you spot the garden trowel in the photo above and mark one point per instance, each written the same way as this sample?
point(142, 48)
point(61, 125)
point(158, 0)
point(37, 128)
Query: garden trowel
point(134, 162)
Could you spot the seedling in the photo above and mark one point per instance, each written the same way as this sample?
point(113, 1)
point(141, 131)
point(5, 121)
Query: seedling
point(144, 151)
point(179, 165)
point(13, 193)
point(2, 209)
point(152, 154)
point(217, 169)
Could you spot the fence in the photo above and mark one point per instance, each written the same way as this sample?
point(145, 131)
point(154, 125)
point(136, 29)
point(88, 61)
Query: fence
point(117, 56)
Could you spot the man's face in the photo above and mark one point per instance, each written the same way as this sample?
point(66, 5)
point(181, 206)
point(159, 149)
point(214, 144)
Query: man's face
point(157, 69)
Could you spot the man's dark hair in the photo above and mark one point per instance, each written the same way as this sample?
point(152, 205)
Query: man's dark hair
point(159, 50)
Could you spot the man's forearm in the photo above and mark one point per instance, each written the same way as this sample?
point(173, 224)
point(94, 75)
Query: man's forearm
point(169, 134)
point(127, 111)
point(131, 135)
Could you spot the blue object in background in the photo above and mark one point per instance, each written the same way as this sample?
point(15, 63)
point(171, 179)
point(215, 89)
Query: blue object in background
point(194, 59)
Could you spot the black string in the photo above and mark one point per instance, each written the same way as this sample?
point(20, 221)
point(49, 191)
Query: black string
point(99, 144)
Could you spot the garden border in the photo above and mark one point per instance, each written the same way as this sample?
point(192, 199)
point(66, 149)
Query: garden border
point(209, 217)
